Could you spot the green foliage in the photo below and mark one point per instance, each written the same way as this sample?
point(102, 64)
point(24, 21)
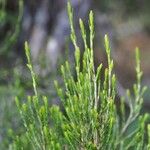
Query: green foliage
point(10, 22)
point(90, 119)
point(9, 118)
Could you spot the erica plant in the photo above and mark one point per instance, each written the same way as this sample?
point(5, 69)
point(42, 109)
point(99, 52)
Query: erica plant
point(90, 119)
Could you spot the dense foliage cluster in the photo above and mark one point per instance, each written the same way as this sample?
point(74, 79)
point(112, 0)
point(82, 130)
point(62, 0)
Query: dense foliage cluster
point(90, 119)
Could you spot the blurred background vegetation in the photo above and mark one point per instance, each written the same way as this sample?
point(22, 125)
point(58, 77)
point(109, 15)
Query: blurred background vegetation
point(43, 23)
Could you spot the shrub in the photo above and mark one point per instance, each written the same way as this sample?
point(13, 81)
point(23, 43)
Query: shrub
point(10, 24)
point(90, 119)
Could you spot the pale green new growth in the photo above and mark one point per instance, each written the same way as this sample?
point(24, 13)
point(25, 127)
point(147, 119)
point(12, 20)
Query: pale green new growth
point(29, 65)
point(90, 119)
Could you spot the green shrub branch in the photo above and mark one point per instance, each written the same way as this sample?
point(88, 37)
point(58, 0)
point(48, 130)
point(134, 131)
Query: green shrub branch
point(90, 119)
